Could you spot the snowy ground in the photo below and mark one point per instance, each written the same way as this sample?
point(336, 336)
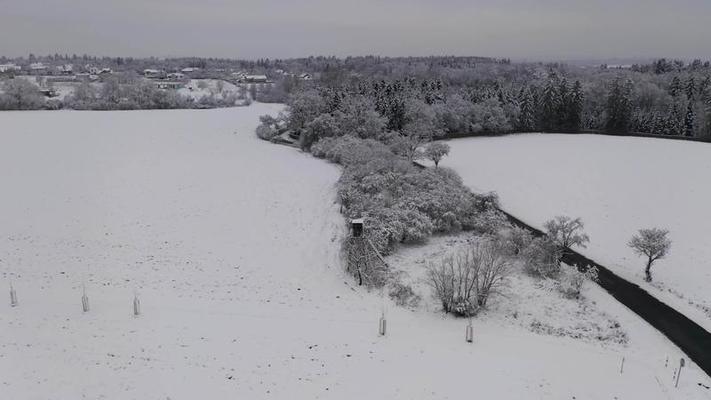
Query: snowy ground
point(231, 244)
point(617, 185)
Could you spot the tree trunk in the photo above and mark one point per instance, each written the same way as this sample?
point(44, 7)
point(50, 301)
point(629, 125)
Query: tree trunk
point(648, 270)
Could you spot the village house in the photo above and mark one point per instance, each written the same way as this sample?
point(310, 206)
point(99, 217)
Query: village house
point(169, 85)
point(38, 67)
point(176, 76)
point(9, 68)
point(154, 73)
point(66, 69)
point(255, 79)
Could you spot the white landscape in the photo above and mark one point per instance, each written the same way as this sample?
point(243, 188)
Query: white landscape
point(232, 246)
point(617, 185)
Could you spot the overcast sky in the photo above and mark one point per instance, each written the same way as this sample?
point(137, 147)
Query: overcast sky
point(519, 29)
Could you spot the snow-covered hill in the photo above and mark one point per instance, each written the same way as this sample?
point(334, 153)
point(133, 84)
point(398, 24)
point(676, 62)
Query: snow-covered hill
point(232, 244)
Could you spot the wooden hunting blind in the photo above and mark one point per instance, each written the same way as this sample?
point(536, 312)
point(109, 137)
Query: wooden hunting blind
point(357, 227)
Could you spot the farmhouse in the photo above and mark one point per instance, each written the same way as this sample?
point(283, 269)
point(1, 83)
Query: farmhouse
point(255, 79)
point(48, 92)
point(37, 67)
point(176, 76)
point(9, 68)
point(65, 69)
point(169, 85)
point(154, 73)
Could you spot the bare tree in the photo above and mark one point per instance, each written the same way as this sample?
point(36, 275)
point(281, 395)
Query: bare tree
point(567, 232)
point(493, 270)
point(465, 282)
point(435, 151)
point(652, 243)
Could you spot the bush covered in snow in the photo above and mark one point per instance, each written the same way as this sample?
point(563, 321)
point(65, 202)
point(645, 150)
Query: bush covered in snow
point(403, 295)
point(20, 94)
point(402, 203)
point(571, 280)
point(542, 258)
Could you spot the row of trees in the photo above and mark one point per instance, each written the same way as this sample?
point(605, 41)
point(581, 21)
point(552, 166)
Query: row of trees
point(651, 243)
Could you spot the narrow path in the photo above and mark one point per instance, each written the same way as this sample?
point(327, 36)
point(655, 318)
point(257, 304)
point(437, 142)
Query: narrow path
point(694, 340)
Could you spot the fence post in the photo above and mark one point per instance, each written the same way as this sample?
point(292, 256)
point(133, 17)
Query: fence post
point(681, 365)
point(136, 306)
point(382, 325)
point(84, 300)
point(13, 296)
point(622, 365)
point(470, 332)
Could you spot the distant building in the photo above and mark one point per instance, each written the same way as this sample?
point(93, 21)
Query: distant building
point(48, 92)
point(85, 76)
point(305, 77)
point(189, 70)
point(255, 79)
point(169, 85)
point(38, 67)
point(618, 66)
point(105, 71)
point(154, 73)
point(66, 69)
point(9, 68)
point(176, 76)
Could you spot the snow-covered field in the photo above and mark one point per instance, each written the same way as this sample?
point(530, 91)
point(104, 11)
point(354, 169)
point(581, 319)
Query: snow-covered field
point(617, 185)
point(231, 244)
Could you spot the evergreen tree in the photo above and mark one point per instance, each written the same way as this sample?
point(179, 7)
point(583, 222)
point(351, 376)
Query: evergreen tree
point(658, 125)
point(674, 121)
point(705, 89)
point(675, 87)
point(563, 106)
point(549, 106)
point(526, 117)
point(689, 120)
point(619, 107)
point(691, 88)
point(575, 108)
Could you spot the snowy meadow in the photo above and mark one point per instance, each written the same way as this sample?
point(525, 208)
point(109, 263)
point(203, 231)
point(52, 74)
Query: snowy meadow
point(232, 246)
point(617, 185)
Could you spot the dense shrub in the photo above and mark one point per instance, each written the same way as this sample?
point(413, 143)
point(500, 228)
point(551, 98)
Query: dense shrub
point(20, 94)
point(403, 295)
point(402, 203)
point(571, 280)
point(542, 258)
point(463, 283)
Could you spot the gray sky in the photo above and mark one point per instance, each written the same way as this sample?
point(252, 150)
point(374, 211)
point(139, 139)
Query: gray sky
point(540, 29)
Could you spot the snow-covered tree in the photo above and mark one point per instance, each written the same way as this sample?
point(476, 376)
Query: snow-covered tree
point(20, 94)
point(689, 120)
point(619, 107)
point(435, 151)
point(567, 232)
point(652, 243)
